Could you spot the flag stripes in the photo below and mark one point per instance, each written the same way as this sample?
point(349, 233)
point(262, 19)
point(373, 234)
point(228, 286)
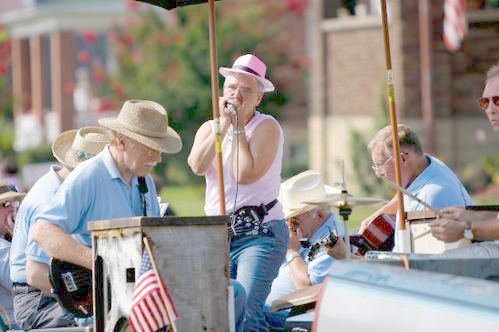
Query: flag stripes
point(455, 24)
point(148, 312)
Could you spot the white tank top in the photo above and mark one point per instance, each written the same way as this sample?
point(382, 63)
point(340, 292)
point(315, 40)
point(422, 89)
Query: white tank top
point(264, 190)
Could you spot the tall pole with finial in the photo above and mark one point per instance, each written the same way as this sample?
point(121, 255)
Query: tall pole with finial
point(404, 238)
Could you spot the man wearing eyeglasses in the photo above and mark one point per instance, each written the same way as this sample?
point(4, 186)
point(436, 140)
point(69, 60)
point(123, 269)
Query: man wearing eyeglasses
point(252, 151)
point(34, 304)
point(306, 263)
point(423, 175)
point(9, 201)
point(457, 222)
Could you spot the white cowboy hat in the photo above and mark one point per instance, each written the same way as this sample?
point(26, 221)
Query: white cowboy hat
point(146, 122)
point(249, 64)
point(74, 146)
point(307, 186)
point(9, 193)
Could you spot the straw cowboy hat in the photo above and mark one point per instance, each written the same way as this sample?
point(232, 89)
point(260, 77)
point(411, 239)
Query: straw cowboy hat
point(74, 146)
point(250, 65)
point(9, 193)
point(307, 186)
point(146, 122)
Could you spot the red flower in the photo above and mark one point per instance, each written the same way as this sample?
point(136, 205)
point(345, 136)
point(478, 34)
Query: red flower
point(84, 57)
point(90, 37)
point(99, 75)
point(3, 69)
point(297, 6)
point(119, 89)
point(69, 87)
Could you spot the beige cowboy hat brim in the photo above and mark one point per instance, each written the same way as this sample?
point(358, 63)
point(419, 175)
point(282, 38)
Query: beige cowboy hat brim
point(170, 143)
point(61, 146)
point(307, 207)
point(268, 86)
point(11, 196)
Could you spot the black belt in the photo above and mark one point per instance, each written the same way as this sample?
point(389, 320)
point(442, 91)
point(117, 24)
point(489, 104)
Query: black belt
point(23, 288)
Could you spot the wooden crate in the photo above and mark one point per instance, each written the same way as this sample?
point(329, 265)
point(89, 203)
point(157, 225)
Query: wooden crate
point(191, 254)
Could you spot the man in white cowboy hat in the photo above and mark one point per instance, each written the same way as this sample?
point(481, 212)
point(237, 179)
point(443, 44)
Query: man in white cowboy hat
point(305, 221)
point(252, 152)
point(9, 201)
point(34, 305)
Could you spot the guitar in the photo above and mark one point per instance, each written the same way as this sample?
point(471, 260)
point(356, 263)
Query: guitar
point(72, 286)
point(378, 235)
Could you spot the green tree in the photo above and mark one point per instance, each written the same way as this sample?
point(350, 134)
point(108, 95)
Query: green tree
point(6, 126)
point(164, 56)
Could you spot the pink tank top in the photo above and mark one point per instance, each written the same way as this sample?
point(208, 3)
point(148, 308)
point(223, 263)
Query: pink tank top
point(264, 190)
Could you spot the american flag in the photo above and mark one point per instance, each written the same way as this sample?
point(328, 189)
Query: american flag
point(148, 311)
point(455, 24)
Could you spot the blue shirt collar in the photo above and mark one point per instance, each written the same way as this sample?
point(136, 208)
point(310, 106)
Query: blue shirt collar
point(53, 173)
point(426, 175)
point(111, 167)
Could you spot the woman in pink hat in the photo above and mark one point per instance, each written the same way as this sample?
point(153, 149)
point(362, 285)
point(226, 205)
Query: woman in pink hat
point(252, 156)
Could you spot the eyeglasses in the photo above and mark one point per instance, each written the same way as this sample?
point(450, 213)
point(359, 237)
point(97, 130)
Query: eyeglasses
point(10, 203)
point(485, 101)
point(243, 90)
point(378, 168)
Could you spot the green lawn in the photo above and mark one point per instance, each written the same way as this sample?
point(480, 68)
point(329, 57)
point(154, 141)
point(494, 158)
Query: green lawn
point(189, 201)
point(184, 200)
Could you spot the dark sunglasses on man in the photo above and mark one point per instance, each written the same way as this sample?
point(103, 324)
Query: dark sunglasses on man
point(485, 101)
point(7, 204)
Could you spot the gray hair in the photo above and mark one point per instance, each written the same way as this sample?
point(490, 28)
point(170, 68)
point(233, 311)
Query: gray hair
point(492, 72)
point(408, 139)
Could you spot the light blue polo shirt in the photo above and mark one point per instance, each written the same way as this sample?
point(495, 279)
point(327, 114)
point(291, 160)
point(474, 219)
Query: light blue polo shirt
point(438, 186)
point(6, 306)
point(33, 203)
point(317, 271)
point(317, 268)
point(95, 191)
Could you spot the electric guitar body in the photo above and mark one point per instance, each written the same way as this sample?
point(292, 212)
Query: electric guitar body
point(72, 285)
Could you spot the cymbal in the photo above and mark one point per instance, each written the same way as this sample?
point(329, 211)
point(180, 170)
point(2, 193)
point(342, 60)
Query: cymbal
point(345, 199)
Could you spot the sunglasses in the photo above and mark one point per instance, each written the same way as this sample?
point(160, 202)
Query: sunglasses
point(10, 203)
point(484, 102)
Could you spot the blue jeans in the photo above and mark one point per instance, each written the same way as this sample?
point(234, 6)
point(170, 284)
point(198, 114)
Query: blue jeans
point(276, 320)
point(239, 304)
point(255, 262)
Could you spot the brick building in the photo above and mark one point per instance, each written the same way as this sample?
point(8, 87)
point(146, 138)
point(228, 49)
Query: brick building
point(348, 83)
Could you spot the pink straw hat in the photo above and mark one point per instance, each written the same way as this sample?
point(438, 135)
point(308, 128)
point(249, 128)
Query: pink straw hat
point(249, 64)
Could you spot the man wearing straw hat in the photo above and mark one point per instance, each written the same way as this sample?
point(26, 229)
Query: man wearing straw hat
point(252, 152)
point(107, 186)
point(305, 221)
point(9, 201)
point(457, 222)
point(34, 306)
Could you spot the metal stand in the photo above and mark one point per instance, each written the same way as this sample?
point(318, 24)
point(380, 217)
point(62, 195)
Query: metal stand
point(345, 212)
